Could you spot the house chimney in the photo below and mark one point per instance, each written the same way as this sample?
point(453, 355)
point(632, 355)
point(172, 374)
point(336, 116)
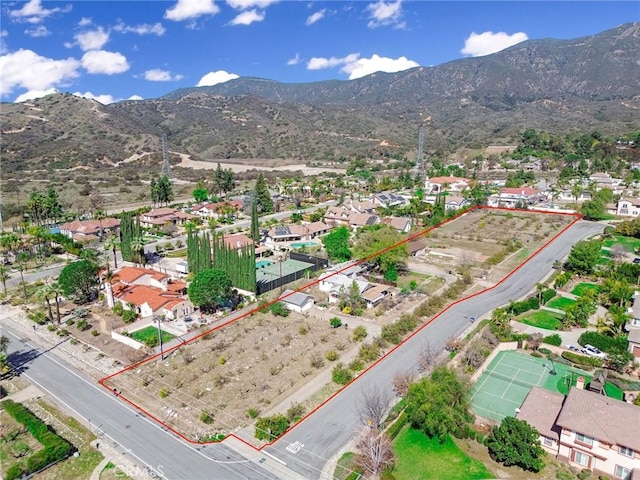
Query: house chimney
point(580, 382)
point(109, 294)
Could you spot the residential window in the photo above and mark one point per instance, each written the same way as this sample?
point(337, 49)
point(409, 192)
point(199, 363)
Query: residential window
point(548, 441)
point(581, 458)
point(584, 439)
point(622, 472)
point(626, 451)
point(635, 322)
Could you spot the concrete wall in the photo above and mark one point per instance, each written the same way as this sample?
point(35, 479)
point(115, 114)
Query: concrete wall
point(127, 340)
point(501, 347)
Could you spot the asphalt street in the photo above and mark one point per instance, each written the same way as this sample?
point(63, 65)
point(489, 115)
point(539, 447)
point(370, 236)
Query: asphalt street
point(335, 423)
point(307, 447)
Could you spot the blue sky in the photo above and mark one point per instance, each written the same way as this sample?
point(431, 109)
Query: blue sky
point(111, 50)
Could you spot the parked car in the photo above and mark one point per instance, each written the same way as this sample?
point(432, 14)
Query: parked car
point(572, 347)
point(593, 351)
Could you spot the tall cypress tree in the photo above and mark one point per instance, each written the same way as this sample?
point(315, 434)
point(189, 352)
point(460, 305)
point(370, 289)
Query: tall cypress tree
point(262, 195)
point(255, 225)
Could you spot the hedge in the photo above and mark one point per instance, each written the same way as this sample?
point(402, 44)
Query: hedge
point(583, 359)
point(605, 343)
point(554, 339)
point(394, 332)
point(395, 427)
point(55, 448)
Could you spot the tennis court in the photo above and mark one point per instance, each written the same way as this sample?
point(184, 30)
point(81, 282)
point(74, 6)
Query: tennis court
point(504, 385)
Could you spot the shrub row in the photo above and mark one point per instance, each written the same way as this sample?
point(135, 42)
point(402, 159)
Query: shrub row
point(583, 360)
point(393, 332)
point(531, 303)
point(55, 448)
point(603, 342)
point(395, 427)
point(554, 339)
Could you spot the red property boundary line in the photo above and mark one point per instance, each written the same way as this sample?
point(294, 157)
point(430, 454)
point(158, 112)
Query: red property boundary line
point(103, 381)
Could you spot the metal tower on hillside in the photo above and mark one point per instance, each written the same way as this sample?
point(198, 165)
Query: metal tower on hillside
point(420, 164)
point(166, 166)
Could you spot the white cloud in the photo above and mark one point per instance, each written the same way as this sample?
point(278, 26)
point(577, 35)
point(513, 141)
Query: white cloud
point(314, 17)
point(157, 75)
point(33, 94)
point(357, 67)
point(479, 44)
point(384, 13)
point(366, 66)
point(101, 61)
point(295, 60)
point(84, 21)
point(142, 29)
point(135, 97)
point(92, 39)
point(213, 78)
point(39, 31)
point(320, 63)
point(247, 4)
point(33, 12)
point(248, 17)
point(26, 69)
point(186, 9)
point(104, 99)
point(3, 44)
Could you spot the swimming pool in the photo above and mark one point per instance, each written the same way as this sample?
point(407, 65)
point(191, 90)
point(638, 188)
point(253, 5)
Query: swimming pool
point(263, 263)
point(303, 244)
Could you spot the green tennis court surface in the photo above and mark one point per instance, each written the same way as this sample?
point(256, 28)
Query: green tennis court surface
point(504, 385)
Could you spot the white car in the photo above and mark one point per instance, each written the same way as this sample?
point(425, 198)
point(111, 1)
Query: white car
point(593, 351)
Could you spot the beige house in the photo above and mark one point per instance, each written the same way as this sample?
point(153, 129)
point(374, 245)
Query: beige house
point(89, 230)
point(627, 207)
point(163, 216)
point(451, 184)
point(589, 431)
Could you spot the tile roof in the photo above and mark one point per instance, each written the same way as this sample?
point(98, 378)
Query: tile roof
point(601, 417)
point(90, 226)
point(131, 274)
point(519, 191)
point(448, 180)
point(236, 241)
point(540, 410)
point(154, 297)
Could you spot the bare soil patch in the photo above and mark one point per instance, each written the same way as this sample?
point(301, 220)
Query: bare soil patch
point(472, 239)
point(250, 364)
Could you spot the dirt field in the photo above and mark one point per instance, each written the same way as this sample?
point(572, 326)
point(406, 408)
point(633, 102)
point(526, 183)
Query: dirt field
point(251, 364)
point(472, 239)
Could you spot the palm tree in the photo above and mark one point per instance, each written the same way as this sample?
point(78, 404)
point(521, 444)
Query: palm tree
point(613, 324)
point(137, 245)
point(43, 294)
point(22, 259)
point(4, 276)
point(112, 244)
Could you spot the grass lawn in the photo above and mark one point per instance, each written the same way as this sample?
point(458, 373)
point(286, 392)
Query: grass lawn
point(629, 243)
point(420, 458)
point(560, 303)
point(541, 319)
point(613, 391)
point(581, 288)
point(346, 468)
point(149, 336)
point(405, 280)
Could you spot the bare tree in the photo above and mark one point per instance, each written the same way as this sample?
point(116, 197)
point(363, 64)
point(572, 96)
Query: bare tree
point(375, 452)
point(534, 341)
point(401, 382)
point(426, 359)
point(618, 253)
point(372, 406)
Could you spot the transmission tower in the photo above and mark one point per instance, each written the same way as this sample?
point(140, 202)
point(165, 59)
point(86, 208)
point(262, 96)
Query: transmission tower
point(420, 164)
point(166, 166)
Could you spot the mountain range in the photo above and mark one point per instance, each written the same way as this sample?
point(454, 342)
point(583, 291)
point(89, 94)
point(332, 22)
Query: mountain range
point(560, 86)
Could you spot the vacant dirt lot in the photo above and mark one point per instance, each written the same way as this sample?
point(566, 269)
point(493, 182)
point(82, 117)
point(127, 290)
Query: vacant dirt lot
point(472, 239)
point(251, 364)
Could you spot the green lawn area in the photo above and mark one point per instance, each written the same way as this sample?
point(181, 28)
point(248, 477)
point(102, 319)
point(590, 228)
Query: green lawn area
point(613, 391)
point(541, 319)
point(629, 243)
point(560, 303)
point(420, 458)
point(346, 468)
point(149, 336)
point(581, 288)
point(405, 280)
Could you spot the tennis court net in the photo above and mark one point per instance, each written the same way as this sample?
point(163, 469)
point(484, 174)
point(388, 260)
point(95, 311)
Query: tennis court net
point(509, 379)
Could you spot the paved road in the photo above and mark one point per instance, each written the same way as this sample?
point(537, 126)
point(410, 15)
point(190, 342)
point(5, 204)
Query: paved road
point(155, 449)
point(334, 425)
point(320, 436)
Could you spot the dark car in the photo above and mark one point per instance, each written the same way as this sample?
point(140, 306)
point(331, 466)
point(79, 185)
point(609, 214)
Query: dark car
point(636, 260)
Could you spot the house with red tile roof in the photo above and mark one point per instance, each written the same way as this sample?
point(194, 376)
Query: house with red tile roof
point(450, 184)
point(162, 216)
point(219, 209)
point(151, 293)
point(89, 230)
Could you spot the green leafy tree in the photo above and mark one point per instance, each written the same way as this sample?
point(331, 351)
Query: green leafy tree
point(439, 404)
point(262, 196)
point(4, 276)
point(200, 194)
point(4, 346)
point(155, 191)
point(270, 428)
point(515, 442)
point(593, 210)
point(165, 190)
point(79, 280)
point(210, 289)
point(381, 245)
point(584, 256)
point(336, 243)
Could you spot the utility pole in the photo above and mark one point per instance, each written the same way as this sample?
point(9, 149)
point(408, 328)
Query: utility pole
point(159, 320)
